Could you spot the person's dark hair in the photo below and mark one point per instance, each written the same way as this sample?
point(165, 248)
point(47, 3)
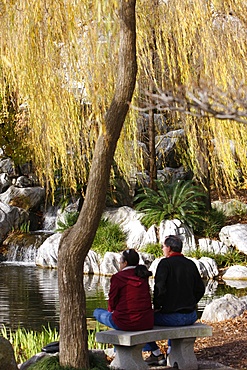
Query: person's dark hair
point(174, 242)
point(142, 271)
point(131, 257)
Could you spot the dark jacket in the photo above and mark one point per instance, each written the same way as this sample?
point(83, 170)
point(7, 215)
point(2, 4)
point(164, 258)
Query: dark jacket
point(130, 301)
point(178, 285)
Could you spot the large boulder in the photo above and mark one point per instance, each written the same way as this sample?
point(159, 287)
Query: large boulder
point(235, 236)
point(224, 308)
point(7, 358)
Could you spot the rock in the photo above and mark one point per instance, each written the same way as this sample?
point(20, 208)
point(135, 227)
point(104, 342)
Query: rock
point(235, 236)
point(7, 166)
point(92, 263)
point(23, 182)
point(231, 208)
point(129, 221)
point(236, 272)
point(214, 246)
point(33, 360)
point(223, 308)
point(175, 227)
point(48, 252)
point(7, 358)
point(26, 198)
point(10, 217)
point(110, 263)
point(5, 182)
point(207, 267)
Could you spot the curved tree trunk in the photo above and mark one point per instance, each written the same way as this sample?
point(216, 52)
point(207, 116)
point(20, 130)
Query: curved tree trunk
point(77, 241)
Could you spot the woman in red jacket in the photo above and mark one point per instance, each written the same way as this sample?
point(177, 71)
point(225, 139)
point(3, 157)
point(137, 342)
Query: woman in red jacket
point(129, 304)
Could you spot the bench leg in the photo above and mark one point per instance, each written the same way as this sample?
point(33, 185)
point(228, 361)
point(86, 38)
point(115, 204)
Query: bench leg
point(129, 358)
point(182, 354)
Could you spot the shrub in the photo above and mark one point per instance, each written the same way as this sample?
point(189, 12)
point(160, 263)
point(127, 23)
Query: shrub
point(210, 224)
point(109, 238)
point(153, 248)
point(178, 200)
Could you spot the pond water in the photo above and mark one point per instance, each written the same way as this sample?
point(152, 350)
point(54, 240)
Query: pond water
point(29, 296)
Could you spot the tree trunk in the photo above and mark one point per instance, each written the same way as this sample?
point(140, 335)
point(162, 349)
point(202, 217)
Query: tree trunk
point(77, 241)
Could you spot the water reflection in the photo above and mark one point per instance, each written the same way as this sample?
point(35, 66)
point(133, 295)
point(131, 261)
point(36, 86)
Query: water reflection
point(29, 296)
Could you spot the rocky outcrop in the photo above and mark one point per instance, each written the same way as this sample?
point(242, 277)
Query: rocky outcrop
point(224, 308)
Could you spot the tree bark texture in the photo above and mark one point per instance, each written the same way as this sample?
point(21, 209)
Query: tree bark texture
point(77, 241)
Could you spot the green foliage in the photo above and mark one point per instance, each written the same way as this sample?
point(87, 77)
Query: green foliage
point(109, 238)
point(154, 249)
point(210, 224)
point(231, 258)
point(180, 199)
point(52, 363)
point(70, 219)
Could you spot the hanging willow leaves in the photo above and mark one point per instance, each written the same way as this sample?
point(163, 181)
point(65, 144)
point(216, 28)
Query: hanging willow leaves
point(60, 58)
point(200, 46)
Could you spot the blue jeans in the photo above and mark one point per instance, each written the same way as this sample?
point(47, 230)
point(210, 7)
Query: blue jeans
point(170, 319)
point(105, 318)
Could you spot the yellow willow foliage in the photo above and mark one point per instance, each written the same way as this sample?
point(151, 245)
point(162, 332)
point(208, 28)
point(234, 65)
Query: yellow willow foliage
point(186, 45)
point(60, 59)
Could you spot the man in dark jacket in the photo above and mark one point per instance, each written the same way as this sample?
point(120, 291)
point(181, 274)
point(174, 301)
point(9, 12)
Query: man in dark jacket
point(177, 290)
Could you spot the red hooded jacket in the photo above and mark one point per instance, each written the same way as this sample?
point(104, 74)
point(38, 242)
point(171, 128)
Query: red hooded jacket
point(130, 301)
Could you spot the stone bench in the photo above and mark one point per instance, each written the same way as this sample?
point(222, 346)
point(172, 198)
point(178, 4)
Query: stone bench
point(129, 344)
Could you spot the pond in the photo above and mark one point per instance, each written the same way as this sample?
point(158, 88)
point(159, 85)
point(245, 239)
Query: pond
point(29, 296)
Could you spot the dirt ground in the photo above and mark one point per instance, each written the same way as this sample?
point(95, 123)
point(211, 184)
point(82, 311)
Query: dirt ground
point(228, 345)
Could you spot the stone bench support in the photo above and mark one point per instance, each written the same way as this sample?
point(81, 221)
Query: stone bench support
point(129, 344)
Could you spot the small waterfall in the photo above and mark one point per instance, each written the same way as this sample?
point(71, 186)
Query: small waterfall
point(22, 254)
point(22, 248)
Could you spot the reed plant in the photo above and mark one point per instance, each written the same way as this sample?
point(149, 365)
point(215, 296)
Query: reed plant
point(27, 343)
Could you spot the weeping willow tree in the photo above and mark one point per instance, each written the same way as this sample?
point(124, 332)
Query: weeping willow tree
point(200, 48)
point(72, 68)
point(59, 60)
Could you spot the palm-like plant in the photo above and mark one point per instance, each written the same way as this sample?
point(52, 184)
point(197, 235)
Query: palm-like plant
point(181, 200)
